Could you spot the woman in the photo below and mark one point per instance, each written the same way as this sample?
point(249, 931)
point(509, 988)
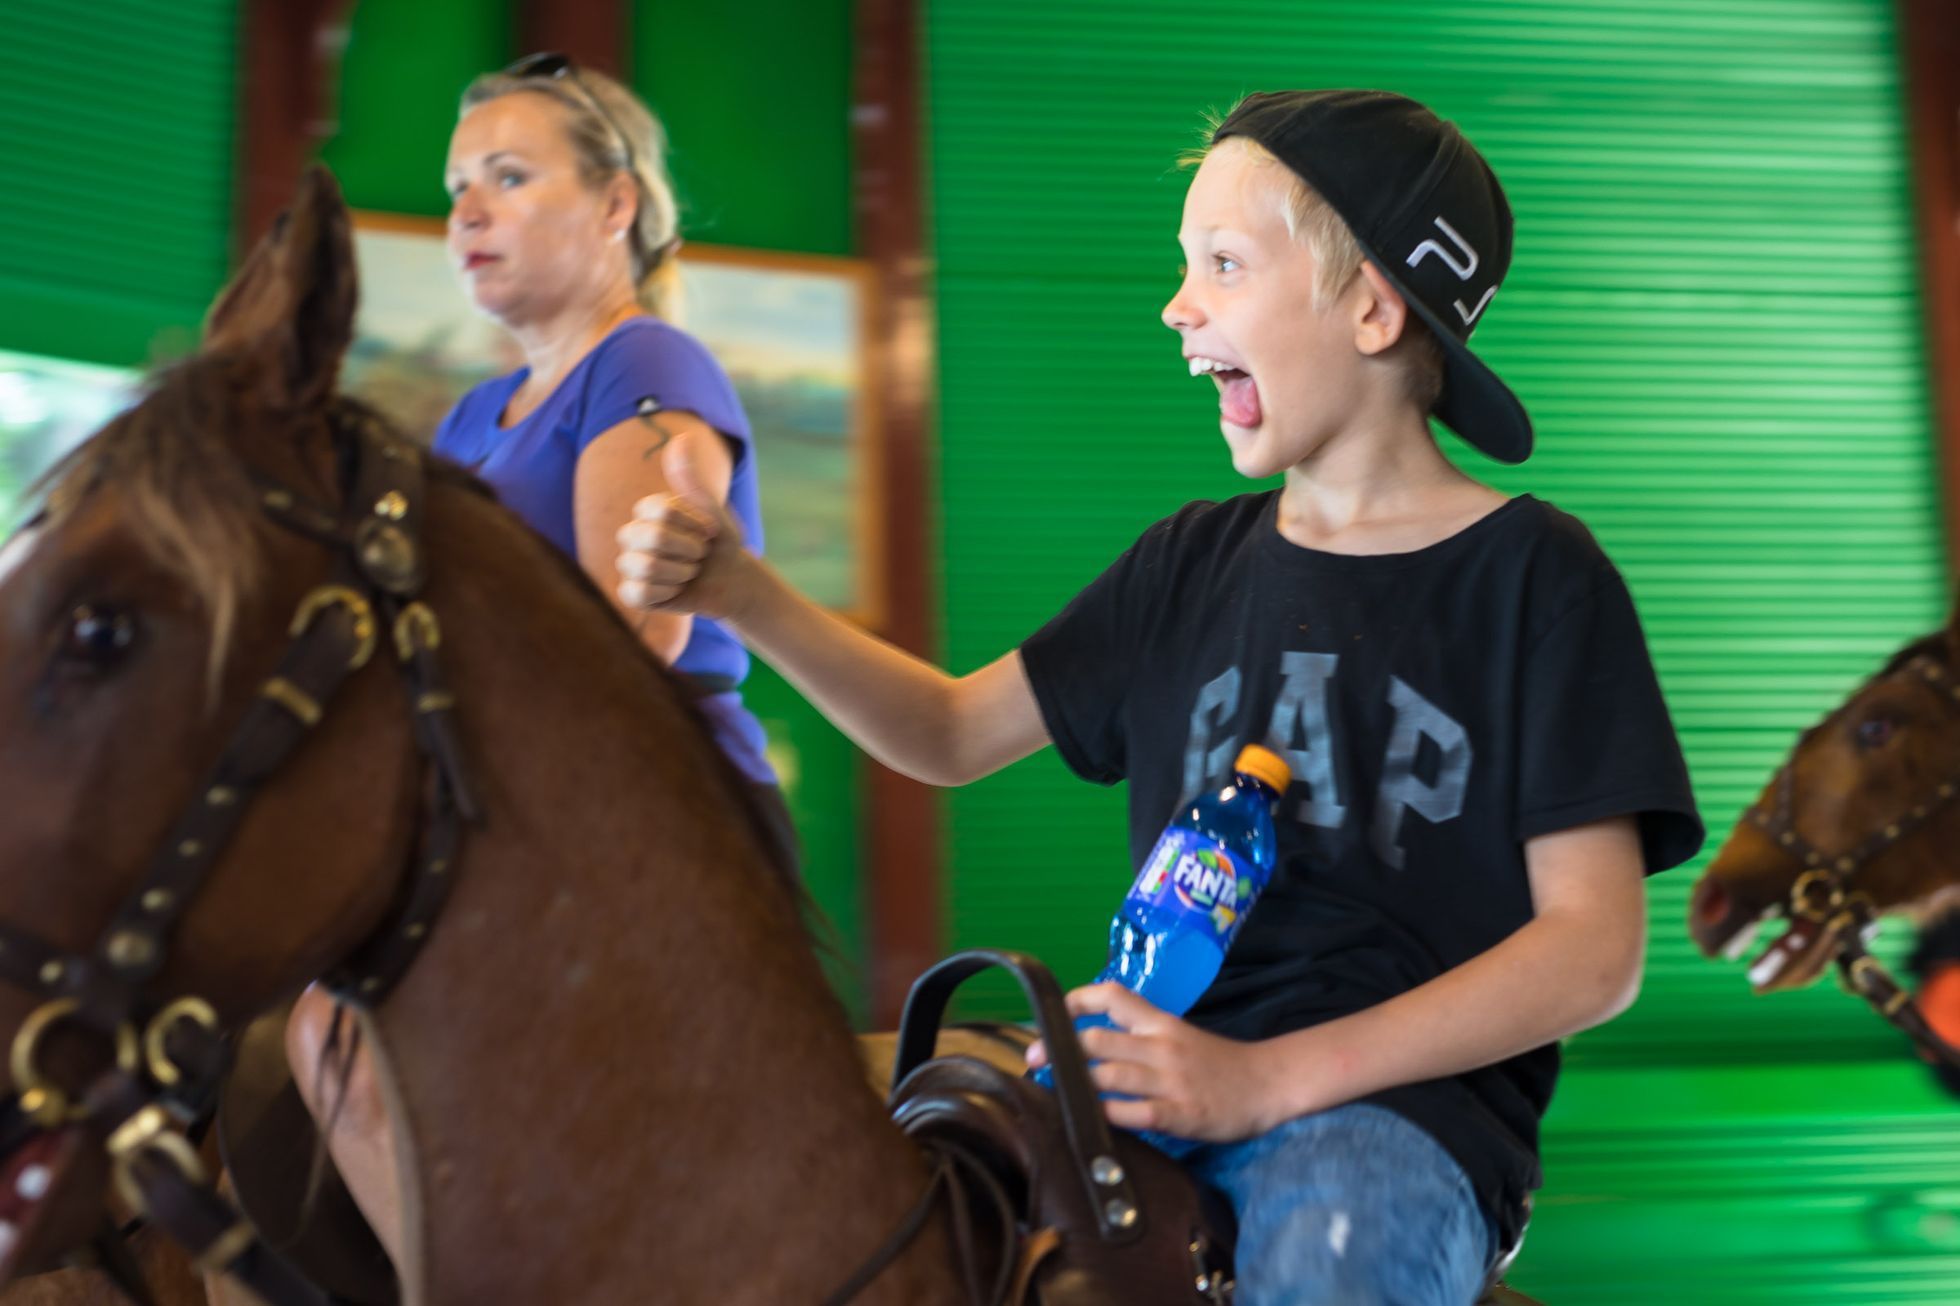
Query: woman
point(562, 226)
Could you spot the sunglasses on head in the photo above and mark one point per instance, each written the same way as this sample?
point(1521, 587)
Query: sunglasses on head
point(551, 66)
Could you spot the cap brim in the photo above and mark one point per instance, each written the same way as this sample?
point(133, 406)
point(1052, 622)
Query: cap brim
point(1475, 403)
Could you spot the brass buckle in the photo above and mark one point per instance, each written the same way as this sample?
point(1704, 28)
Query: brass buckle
point(361, 610)
point(149, 1131)
point(162, 1069)
point(46, 1104)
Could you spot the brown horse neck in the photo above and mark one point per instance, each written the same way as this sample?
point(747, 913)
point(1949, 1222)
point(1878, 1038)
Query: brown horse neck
point(618, 1059)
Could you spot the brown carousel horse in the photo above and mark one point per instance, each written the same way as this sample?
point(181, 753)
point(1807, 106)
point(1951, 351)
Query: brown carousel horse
point(1860, 820)
point(238, 695)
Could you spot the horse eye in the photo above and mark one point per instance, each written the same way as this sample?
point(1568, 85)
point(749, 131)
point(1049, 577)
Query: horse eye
point(98, 636)
point(1874, 732)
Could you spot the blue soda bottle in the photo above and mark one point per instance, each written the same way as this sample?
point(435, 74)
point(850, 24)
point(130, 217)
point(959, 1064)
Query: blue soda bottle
point(1209, 866)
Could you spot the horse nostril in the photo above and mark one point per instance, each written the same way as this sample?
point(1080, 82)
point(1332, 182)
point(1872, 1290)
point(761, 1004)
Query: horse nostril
point(1711, 904)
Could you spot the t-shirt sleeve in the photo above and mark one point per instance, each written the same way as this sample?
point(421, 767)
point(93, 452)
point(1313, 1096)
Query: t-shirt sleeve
point(1595, 738)
point(669, 367)
point(1079, 665)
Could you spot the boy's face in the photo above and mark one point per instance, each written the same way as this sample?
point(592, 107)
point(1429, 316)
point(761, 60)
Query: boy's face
point(1286, 372)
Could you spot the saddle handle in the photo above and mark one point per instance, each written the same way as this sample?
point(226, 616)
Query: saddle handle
point(1112, 1194)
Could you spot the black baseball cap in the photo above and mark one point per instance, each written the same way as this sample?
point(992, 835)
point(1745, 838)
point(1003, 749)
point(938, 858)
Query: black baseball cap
point(1427, 212)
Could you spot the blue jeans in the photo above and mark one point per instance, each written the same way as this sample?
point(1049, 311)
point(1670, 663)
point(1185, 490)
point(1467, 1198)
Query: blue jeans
point(1350, 1207)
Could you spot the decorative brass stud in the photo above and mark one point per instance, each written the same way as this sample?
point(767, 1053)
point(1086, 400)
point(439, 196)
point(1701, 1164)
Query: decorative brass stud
point(278, 499)
point(158, 900)
point(438, 866)
point(372, 984)
point(415, 930)
point(1845, 865)
point(189, 848)
point(220, 796)
point(392, 505)
point(129, 948)
point(1891, 832)
point(51, 973)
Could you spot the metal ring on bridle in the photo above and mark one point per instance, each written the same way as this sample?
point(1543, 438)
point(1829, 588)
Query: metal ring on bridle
point(1800, 894)
point(357, 606)
point(155, 1055)
point(416, 628)
point(27, 1074)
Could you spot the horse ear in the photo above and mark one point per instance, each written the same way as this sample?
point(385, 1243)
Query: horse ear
point(290, 309)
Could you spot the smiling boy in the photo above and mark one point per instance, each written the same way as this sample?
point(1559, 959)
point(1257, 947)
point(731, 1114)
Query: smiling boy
point(1484, 768)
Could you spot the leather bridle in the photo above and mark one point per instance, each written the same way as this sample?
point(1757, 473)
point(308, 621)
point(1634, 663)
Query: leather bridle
point(1825, 900)
point(167, 1056)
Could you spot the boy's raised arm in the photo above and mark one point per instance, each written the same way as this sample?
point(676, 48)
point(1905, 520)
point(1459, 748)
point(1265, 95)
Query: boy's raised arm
point(682, 552)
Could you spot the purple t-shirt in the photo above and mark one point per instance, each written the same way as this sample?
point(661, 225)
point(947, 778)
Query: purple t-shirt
point(531, 465)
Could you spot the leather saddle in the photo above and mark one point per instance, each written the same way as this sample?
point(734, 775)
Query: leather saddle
point(1084, 1214)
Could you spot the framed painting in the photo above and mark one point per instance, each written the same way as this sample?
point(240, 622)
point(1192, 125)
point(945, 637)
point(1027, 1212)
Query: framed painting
point(791, 331)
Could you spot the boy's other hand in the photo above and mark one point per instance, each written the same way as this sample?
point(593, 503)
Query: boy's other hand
point(1176, 1078)
point(682, 552)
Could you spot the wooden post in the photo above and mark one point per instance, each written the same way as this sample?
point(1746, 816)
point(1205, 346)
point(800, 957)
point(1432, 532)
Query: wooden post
point(1929, 38)
point(291, 58)
point(902, 816)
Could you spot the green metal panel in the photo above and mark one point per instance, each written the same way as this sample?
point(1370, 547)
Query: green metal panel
point(1714, 318)
point(401, 75)
point(757, 100)
point(116, 119)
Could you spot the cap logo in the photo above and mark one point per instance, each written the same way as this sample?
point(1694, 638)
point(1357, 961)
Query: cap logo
point(1463, 262)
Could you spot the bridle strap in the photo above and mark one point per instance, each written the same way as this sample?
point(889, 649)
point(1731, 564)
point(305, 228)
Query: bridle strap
point(1822, 896)
point(1778, 820)
point(170, 1070)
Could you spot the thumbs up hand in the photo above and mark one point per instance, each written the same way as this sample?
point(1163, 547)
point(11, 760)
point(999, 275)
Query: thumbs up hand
point(682, 551)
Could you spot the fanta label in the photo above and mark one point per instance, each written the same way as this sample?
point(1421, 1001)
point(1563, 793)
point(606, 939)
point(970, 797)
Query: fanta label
point(1198, 879)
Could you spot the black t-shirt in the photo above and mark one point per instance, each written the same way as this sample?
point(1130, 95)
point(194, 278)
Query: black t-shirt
point(1438, 709)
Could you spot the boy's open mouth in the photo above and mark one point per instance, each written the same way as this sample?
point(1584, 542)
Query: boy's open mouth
point(1238, 393)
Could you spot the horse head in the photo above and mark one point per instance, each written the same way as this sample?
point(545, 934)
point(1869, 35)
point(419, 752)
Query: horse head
point(1861, 815)
point(161, 878)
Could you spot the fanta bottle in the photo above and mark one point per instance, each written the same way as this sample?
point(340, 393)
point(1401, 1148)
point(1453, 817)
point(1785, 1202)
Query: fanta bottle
point(1208, 868)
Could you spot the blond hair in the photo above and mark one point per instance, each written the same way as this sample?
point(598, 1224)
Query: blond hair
point(613, 131)
point(1313, 223)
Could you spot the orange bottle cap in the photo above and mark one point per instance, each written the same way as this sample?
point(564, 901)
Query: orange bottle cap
point(1265, 766)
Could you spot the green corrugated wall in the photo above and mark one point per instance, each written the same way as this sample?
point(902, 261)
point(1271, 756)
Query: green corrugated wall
point(116, 134)
point(1714, 318)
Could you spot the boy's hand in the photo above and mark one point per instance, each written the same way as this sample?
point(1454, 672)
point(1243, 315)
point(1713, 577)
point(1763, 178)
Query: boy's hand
point(682, 552)
point(1178, 1078)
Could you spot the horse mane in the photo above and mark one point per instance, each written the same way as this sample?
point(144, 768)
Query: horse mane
point(1934, 646)
point(193, 505)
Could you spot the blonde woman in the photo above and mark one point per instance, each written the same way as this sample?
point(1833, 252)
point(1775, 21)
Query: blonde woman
point(562, 227)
